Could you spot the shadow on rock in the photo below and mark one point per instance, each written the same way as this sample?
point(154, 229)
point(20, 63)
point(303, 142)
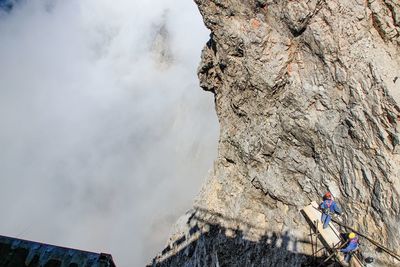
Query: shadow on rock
point(208, 243)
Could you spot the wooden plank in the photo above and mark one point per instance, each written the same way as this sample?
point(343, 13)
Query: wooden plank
point(329, 237)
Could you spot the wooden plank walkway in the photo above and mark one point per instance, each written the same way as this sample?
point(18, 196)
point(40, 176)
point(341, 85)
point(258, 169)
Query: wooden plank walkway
point(329, 237)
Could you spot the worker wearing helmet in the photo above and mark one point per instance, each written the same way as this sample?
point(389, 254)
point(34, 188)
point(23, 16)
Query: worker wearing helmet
point(328, 208)
point(352, 246)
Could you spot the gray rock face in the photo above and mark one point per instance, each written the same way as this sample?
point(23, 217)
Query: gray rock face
point(307, 95)
point(160, 46)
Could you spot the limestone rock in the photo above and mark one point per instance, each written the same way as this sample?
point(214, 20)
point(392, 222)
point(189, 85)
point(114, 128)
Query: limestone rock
point(307, 95)
point(160, 46)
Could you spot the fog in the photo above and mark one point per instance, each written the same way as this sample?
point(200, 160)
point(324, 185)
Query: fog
point(105, 134)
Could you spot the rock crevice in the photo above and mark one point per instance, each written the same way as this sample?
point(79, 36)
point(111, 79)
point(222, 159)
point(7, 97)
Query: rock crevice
point(307, 96)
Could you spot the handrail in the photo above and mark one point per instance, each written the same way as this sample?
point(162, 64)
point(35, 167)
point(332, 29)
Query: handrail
point(385, 249)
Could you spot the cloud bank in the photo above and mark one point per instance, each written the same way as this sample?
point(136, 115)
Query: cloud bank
point(105, 135)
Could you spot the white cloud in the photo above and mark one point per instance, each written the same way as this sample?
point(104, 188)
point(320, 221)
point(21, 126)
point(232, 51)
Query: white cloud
point(100, 148)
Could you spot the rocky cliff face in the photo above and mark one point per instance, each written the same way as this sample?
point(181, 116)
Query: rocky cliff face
point(307, 94)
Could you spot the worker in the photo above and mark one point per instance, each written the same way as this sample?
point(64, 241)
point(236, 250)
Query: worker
point(352, 246)
point(328, 208)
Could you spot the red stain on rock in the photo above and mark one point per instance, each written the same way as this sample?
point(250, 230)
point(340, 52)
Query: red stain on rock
point(289, 68)
point(255, 23)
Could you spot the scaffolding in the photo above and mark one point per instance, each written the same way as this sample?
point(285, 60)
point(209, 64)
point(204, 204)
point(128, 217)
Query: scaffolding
point(329, 237)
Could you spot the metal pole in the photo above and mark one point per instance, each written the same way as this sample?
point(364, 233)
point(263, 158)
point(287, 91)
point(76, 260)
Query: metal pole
point(385, 249)
point(312, 243)
point(316, 237)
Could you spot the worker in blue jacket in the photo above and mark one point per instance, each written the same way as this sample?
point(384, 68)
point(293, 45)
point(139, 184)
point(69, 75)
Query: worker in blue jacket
point(328, 207)
point(351, 247)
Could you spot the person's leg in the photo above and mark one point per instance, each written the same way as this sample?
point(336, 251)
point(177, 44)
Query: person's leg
point(347, 257)
point(323, 217)
point(326, 221)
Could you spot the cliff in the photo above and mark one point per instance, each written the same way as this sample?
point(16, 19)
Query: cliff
point(307, 95)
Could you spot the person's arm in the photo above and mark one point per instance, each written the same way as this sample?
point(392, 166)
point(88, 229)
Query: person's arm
point(350, 247)
point(337, 209)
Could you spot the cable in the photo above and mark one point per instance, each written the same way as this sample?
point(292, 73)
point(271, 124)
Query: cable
point(385, 249)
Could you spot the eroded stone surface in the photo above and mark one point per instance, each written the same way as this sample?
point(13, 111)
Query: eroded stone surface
point(307, 95)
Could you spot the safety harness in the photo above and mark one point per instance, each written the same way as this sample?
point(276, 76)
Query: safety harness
point(327, 210)
point(354, 240)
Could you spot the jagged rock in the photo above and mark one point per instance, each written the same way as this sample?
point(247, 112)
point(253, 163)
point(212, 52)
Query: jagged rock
point(307, 95)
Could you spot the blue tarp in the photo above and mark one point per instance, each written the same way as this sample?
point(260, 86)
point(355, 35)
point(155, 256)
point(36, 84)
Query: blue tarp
point(6, 5)
point(22, 253)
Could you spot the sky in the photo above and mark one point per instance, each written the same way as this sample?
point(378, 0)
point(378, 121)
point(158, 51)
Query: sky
point(105, 135)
